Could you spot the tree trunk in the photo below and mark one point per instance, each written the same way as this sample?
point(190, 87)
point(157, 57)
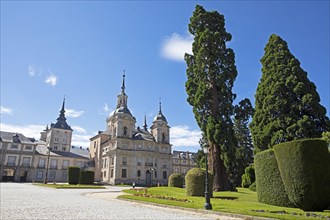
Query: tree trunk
point(220, 176)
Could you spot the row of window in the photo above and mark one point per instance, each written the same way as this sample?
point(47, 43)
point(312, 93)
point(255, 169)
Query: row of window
point(18, 146)
point(51, 175)
point(124, 174)
point(184, 161)
point(149, 162)
point(26, 161)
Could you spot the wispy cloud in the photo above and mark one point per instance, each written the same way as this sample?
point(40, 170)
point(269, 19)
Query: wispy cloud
point(81, 140)
point(73, 113)
point(52, 79)
point(183, 136)
point(79, 129)
point(175, 46)
point(32, 71)
point(5, 111)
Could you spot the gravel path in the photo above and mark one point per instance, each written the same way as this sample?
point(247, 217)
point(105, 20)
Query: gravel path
point(27, 201)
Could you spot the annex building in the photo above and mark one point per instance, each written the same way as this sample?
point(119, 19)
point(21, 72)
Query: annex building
point(126, 153)
point(24, 159)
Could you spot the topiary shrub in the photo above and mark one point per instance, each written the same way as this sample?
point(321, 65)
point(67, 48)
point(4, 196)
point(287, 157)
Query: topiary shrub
point(248, 177)
point(73, 175)
point(253, 187)
point(268, 180)
point(175, 180)
point(86, 177)
point(195, 182)
point(305, 170)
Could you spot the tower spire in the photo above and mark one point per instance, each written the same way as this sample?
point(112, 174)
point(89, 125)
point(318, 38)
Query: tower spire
point(160, 105)
point(63, 105)
point(145, 126)
point(123, 84)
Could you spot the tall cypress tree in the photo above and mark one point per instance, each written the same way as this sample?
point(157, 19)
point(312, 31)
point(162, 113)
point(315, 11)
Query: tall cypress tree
point(287, 105)
point(211, 73)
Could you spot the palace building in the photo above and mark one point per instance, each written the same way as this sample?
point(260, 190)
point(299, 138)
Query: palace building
point(127, 154)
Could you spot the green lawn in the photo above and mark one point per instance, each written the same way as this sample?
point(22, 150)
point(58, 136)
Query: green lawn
point(67, 186)
point(242, 202)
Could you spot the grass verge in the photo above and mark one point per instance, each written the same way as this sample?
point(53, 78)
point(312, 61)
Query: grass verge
point(243, 202)
point(67, 186)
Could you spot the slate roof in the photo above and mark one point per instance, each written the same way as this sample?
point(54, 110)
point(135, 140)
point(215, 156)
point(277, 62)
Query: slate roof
point(183, 154)
point(42, 150)
point(15, 138)
point(142, 134)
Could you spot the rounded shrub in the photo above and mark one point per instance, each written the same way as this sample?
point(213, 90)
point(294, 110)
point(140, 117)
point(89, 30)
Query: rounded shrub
point(305, 170)
point(86, 177)
point(268, 180)
point(175, 180)
point(73, 175)
point(253, 187)
point(248, 177)
point(195, 182)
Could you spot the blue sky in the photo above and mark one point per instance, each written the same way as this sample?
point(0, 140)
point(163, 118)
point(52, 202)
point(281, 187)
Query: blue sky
point(79, 49)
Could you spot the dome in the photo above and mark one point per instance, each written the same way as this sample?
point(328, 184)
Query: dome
point(160, 117)
point(123, 109)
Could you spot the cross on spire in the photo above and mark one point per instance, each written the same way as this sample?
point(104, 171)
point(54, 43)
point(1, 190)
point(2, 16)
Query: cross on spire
point(123, 85)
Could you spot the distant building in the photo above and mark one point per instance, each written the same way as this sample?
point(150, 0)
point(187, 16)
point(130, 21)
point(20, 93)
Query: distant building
point(26, 159)
point(183, 161)
point(124, 153)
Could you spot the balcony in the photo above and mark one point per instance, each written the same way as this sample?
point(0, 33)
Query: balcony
point(26, 165)
point(41, 166)
point(148, 164)
point(124, 163)
point(53, 167)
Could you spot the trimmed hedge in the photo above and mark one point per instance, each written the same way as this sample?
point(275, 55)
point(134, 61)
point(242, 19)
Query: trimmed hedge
point(86, 177)
point(195, 182)
point(305, 170)
point(175, 180)
point(270, 188)
point(73, 175)
point(248, 177)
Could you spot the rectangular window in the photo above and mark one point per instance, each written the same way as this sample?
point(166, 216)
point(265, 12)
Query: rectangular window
point(79, 164)
point(64, 175)
point(64, 140)
point(65, 164)
point(53, 164)
point(39, 174)
point(105, 174)
point(124, 173)
point(184, 171)
point(55, 139)
point(26, 161)
point(176, 161)
point(139, 162)
point(42, 163)
point(176, 170)
point(11, 161)
point(164, 175)
point(112, 160)
point(111, 173)
point(164, 166)
point(184, 161)
point(63, 149)
point(124, 160)
point(28, 147)
point(14, 146)
point(52, 174)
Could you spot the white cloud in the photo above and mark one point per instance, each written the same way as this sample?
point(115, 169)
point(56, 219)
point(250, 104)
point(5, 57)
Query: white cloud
point(32, 71)
point(182, 136)
point(5, 111)
point(106, 108)
point(32, 131)
point(73, 113)
point(80, 140)
point(78, 129)
point(175, 46)
point(52, 79)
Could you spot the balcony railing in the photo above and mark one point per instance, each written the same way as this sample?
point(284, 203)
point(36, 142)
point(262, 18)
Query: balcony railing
point(124, 163)
point(53, 167)
point(149, 164)
point(41, 166)
point(26, 165)
point(64, 167)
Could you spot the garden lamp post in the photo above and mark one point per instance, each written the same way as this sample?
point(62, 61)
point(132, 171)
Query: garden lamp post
point(47, 167)
point(207, 194)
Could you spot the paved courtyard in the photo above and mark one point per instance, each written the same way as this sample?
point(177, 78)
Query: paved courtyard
point(27, 201)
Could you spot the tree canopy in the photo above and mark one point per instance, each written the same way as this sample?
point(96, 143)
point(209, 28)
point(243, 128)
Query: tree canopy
point(211, 73)
point(287, 105)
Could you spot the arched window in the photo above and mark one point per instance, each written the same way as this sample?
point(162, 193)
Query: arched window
point(163, 137)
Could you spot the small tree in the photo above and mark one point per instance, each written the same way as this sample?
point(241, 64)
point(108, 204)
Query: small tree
point(73, 175)
point(176, 180)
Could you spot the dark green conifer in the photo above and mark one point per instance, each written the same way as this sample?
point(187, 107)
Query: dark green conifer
point(287, 105)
